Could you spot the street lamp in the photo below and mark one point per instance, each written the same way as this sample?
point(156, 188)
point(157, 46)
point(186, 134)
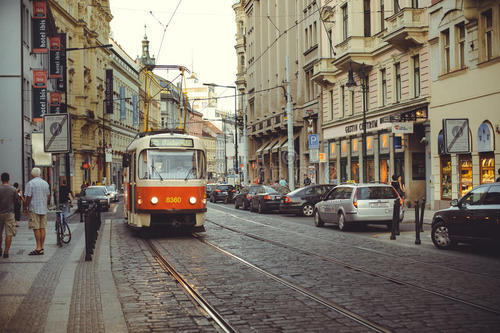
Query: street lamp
point(236, 159)
point(351, 84)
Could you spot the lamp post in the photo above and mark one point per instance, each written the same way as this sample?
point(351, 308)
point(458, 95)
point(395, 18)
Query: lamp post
point(351, 84)
point(236, 159)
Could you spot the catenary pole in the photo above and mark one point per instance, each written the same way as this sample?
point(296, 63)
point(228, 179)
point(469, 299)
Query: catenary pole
point(245, 142)
point(291, 153)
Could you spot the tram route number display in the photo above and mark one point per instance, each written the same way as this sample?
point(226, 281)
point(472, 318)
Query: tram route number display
point(173, 200)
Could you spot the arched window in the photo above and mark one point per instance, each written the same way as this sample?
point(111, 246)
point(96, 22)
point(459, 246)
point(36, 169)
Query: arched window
point(486, 148)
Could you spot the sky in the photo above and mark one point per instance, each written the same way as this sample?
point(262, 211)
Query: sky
point(200, 36)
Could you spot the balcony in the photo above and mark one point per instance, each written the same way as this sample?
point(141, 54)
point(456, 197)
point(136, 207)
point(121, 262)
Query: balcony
point(407, 28)
point(354, 50)
point(324, 72)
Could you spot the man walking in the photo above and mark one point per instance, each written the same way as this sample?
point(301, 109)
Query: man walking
point(8, 198)
point(37, 198)
point(307, 180)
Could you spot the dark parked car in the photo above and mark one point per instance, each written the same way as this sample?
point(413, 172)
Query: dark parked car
point(223, 192)
point(302, 200)
point(94, 194)
point(475, 217)
point(209, 188)
point(241, 198)
point(265, 198)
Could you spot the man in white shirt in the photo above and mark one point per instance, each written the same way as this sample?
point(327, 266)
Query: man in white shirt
point(37, 198)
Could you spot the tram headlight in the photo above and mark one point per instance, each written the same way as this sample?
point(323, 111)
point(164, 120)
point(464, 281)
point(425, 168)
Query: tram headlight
point(154, 200)
point(139, 201)
point(192, 200)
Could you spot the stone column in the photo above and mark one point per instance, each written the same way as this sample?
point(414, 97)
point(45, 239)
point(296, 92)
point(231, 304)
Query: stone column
point(376, 156)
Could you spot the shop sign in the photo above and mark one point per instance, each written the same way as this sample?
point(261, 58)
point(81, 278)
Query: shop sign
point(456, 136)
point(402, 128)
point(322, 158)
point(109, 92)
point(314, 155)
point(39, 27)
point(39, 94)
point(55, 102)
point(340, 131)
point(55, 66)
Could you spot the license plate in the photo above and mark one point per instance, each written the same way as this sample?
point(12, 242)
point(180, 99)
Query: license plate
point(277, 197)
point(378, 205)
point(224, 192)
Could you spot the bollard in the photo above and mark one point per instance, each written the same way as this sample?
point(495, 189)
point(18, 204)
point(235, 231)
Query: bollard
point(422, 209)
point(395, 218)
point(417, 224)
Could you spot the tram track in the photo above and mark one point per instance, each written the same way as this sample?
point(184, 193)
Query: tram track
point(196, 297)
point(355, 268)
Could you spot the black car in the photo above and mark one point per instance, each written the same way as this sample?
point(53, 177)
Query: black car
point(265, 198)
point(302, 200)
point(209, 188)
point(223, 192)
point(475, 217)
point(94, 194)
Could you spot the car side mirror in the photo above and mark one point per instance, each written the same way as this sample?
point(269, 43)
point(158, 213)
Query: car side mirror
point(454, 203)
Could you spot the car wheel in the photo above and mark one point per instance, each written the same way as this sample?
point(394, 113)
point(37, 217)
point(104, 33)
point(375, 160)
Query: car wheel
point(308, 210)
point(259, 208)
point(441, 237)
point(342, 222)
point(317, 219)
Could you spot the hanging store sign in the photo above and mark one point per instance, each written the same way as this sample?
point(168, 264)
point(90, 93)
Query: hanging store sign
point(55, 102)
point(109, 91)
point(456, 136)
point(402, 128)
point(61, 82)
point(39, 94)
point(55, 66)
point(39, 27)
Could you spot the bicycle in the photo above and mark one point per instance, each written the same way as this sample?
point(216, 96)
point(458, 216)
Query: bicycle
point(62, 228)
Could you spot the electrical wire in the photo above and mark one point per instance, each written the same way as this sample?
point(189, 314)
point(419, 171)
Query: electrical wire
point(166, 26)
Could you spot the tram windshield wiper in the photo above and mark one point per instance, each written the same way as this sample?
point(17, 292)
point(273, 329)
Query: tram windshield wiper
point(157, 172)
point(190, 171)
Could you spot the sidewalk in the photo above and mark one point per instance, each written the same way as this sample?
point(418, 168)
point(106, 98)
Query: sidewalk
point(59, 291)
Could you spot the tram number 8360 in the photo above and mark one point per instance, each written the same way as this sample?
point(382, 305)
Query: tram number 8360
point(173, 200)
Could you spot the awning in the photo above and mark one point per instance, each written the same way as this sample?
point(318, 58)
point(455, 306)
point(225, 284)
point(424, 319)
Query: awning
point(284, 146)
point(271, 146)
point(258, 151)
point(279, 144)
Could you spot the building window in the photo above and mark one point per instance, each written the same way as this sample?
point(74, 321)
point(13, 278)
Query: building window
point(306, 43)
point(460, 35)
point(382, 15)
point(315, 34)
point(487, 18)
point(351, 93)
point(383, 78)
point(445, 38)
point(397, 77)
point(342, 101)
point(344, 21)
point(367, 21)
point(416, 76)
point(366, 92)
point(330, 93)
point(414, 3)
point(330, 42)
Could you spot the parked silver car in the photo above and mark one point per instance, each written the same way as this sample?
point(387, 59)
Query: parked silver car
point(350, 204)
point(113, 193)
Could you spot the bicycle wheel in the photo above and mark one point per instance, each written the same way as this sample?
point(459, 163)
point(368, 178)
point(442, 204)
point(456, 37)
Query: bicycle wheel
point(66, 233)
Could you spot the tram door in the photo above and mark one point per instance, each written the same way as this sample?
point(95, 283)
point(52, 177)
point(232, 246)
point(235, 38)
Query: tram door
point(132, 183)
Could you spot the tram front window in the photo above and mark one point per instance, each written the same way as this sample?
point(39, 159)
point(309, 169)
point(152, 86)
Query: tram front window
point(171, 164)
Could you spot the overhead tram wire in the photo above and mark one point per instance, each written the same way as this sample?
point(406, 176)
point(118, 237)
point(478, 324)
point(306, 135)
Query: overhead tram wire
point(166, 26)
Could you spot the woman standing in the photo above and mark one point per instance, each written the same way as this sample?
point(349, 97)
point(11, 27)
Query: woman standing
point(18, 204)
point(398, 186)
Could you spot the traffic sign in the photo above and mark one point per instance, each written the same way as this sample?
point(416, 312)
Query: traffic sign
point(456, 136)
point(57, 133)
point(314, 155)
point(313, 141)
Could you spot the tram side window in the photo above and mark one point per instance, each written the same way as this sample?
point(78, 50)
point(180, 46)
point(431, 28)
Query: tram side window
point(143, 165)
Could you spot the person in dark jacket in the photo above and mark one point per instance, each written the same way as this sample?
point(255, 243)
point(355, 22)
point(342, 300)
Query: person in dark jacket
point(398, 185)
point(18, 205)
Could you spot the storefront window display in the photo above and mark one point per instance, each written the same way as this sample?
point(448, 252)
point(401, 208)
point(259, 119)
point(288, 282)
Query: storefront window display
point(465, 169)
point(487, 167)
point(333, 172)
point(445, 177)
point(355, 170)
point(343, 170)
point(370, 169)
point(384, 169)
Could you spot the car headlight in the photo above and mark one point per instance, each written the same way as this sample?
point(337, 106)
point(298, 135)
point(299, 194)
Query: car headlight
point(154, 200)
point(192, 200)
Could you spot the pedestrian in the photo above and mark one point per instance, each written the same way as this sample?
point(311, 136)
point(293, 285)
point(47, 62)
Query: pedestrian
point(498, 179)
point(307, 180)
point(8, 198)
point(18, 205)
point(65, 197)
point(37, 199)
point(398, 186)
point(283, 181)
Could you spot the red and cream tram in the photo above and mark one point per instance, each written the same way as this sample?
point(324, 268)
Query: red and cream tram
point(164, 181)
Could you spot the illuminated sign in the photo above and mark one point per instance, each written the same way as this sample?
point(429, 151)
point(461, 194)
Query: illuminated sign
point(171, 142)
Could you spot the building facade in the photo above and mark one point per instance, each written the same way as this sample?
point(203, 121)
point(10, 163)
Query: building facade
point(464, 40)
point(382, 47)
point(269, 33)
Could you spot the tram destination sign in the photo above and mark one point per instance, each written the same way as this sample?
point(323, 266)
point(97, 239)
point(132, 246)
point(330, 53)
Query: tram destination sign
point(456, 136)
point(171, 142)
